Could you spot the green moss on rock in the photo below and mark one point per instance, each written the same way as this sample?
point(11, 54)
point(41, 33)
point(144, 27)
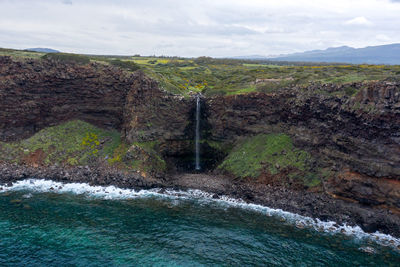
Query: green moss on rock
point(72, 143)
point(272, 152)
point(77, 143)
point(152, 161)
point(223, 147)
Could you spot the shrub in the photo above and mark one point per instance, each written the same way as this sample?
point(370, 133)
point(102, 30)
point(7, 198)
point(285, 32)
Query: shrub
point(350, 91)
point(69, 58)
point(128, 65)
point(92, 142)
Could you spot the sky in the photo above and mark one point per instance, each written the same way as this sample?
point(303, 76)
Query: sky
point(192, 28)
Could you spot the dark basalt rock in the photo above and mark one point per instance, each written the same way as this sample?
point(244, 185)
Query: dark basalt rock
point(356, 137)
point(337, 129)
point(41, 93)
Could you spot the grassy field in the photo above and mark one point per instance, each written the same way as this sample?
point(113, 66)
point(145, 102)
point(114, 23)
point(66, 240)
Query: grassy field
point(228, 76)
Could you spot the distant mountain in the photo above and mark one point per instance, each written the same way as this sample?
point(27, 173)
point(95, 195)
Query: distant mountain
point(43, 50)
point(382, 54)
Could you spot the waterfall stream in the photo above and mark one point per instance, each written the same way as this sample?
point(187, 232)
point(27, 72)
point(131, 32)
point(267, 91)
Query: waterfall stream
point(197, 137)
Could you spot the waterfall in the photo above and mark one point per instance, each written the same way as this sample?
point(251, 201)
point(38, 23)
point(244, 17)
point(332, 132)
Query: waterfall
point(197, 137)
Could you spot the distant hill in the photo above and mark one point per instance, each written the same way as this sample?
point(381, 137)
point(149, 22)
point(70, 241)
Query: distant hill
point(383, 54)
point(43, 50)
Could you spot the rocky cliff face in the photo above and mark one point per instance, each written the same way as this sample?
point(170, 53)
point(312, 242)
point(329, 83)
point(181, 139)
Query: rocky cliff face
point(163, 119)
point(356, 137)
point(168, 120)
point(152, 114)
point(361, 132)
point(40, 93)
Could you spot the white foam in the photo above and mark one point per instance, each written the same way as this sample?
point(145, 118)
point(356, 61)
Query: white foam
point(29, 195)
point(112, 192)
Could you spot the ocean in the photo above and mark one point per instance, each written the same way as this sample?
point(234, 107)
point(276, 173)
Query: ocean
point(46, 223)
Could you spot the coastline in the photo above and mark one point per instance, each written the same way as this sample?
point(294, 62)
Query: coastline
point(340, 139)
point(316, 205)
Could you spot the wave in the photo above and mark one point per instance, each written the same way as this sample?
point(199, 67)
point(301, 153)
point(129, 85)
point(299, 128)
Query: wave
point(112, 192)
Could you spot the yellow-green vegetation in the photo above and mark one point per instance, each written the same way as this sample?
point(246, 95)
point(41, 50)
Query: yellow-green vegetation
point(91, 140)
point(243, 91)
point(118, 154)
point(16, 54)
point(72, 143)
point(271, 153)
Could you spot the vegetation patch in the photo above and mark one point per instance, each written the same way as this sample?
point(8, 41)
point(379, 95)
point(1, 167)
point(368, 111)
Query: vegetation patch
point(212, 76)
point(127, 65)
point(271, 153)
point(223, 147)
point(17, 54)
point(72, 143)
point(69, 58)
point(147, 157)
point(77, 143)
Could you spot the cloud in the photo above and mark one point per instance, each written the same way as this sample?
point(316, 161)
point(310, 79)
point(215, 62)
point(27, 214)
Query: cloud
point(197, 27)
point(359, 21)
point(383, 37)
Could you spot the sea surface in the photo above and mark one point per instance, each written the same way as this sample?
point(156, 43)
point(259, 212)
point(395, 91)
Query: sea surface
point(44, 223)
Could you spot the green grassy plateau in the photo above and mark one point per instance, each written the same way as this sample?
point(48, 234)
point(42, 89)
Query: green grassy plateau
point(229, 76)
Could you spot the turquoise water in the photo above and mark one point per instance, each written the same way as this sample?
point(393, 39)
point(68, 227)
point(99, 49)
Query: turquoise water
point(62, 228)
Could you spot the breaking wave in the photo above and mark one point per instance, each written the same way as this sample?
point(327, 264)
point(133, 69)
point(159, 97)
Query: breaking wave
point(112, 192)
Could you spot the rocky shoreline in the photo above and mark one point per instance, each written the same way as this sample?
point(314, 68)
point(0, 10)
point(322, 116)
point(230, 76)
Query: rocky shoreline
point(307, 203)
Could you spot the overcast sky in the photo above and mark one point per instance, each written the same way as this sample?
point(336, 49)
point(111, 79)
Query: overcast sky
point(196, 27)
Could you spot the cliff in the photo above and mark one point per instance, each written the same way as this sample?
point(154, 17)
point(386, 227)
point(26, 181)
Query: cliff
point(353, 139)
point(357, 138)
point(39, 93)
point(346, 145)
